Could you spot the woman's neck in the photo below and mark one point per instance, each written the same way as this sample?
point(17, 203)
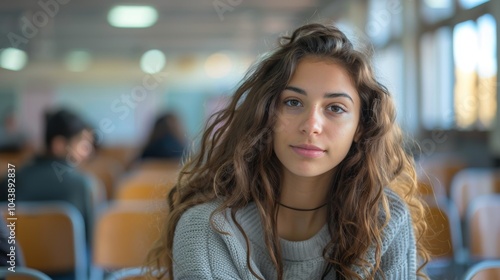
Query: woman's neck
point(306, 194)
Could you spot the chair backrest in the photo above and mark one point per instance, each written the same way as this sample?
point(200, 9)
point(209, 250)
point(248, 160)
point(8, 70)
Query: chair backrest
point(51, 235)
point(22, 273)
point(142, 192)
point(471, 183)
point(485, 270)
point(16, 158)
point(483, 227)
point(125, 232)
point(146, 184)
point(426, 187)
point(441, 168)
point(122, 154)
point(107, 170)
point(157, 165)
point(443, 236)
point(135, 273)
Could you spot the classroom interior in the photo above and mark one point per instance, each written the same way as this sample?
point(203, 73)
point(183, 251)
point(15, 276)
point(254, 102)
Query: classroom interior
point(120, 64)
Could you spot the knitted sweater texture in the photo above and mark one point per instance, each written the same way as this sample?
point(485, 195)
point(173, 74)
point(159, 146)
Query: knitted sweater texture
point(200, 252)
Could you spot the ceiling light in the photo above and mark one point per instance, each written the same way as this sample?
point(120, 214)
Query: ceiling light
point(13, 59)
point(132, 16)
point(153, 61)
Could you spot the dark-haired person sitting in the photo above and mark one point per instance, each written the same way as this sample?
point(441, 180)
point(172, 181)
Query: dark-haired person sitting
point(53, 175)
point(166, 140)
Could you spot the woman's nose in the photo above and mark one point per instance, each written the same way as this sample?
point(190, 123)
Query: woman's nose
point(312, 122)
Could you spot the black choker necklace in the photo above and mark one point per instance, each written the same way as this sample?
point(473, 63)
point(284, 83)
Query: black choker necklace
point(299, 209)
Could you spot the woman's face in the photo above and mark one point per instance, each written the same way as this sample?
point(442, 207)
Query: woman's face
point(317, 119)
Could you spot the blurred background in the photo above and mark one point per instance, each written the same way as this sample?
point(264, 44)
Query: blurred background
point(121, 64)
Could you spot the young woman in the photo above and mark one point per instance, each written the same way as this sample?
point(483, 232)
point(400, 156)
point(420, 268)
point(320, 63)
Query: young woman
point(302, 176)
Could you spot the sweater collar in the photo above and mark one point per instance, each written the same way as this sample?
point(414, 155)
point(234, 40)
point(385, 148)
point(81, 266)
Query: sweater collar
point(312, 248)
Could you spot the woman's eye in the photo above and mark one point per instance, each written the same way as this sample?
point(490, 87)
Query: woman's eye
point(293, 103)
point(336, 109)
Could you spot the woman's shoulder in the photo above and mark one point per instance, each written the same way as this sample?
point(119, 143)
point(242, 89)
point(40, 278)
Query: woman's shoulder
point(397, 206)
point(200, 213)
point(206, 246)
point(400, 218)
point(207, 217)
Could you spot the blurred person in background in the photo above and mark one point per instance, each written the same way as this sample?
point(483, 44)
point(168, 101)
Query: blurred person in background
point(166, 139)
point(53, 175)
point(11, 138)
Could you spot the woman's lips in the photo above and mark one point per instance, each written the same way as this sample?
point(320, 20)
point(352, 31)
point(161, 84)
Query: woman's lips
point(309, 151)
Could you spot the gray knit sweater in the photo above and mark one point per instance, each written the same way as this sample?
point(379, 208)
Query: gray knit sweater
point(201, 253)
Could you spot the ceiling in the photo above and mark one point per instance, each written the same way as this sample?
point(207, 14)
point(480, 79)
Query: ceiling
point(183, 27)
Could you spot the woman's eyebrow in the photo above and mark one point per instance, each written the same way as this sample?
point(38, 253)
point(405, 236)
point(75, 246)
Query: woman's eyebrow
point(327, 95)
point(296, 89)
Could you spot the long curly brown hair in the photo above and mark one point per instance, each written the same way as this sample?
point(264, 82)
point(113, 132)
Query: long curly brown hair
point(236, 161)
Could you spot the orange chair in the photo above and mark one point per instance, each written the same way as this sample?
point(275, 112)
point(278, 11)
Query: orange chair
point(428, 188)
point(122, 154)
point(107, 170)
point(164, 165)
point(483, 228)
point(124, 234)
point(473, 182)
point(440, 168)
point(16, 158)
point(151, 175)
point(51, 236)
point(3, 170)
point(485, 270)
point(143, 191)
point(146, 185)
point(443, 237)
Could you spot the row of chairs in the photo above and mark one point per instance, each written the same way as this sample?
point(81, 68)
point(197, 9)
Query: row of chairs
point(124, 230)
point(485, 270)
point(149, 179)
point(447, 243)
point(51, 237)
point(110, 166)
point(471, 183)
point(130, 219)
point(464, 186)
point(25, 273)
point(453, 251)
point(146, 184)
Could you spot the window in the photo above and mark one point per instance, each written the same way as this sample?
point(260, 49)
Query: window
point(389, 68)
point(437, 80)
point(474, 44)
point(458, 59)
point(435, 10)
point(384, 21)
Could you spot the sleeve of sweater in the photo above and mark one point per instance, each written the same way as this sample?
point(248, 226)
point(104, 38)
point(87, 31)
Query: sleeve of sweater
point(199, 252)
point(399, 253)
